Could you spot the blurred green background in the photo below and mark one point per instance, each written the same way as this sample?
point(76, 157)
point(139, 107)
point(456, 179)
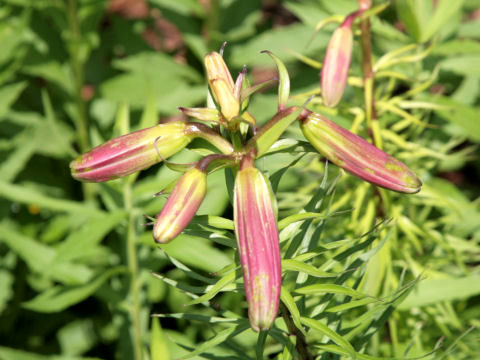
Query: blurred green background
point(75, 259)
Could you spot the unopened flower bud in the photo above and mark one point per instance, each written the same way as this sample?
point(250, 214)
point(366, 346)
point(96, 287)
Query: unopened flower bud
point(357, 156)
point(337, 63)
point(217, 69)
point(181, 206)
point(258, 244)
point(222, 85)
point(229, 104)
point(132, 152)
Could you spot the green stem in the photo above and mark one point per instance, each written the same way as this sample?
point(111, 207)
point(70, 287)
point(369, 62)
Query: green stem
point(212, 23)
point(133, 270)
point(369, 84)
point(81, 119)
point(369, 96)
point(301, 344)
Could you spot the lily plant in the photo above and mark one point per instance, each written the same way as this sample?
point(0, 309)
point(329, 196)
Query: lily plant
point(228, 125)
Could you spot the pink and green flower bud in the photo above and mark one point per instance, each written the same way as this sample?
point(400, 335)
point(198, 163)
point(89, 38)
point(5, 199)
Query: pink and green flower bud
point(357, 156)
point(181, 206)
point(337, 63)
point(229, 104)
point(132, 152)
point(258, 244)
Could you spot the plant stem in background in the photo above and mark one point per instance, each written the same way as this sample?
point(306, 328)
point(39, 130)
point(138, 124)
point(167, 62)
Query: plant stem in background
point(132, 260)
point(212, 23)
point(301, 344)
point(81, 119)
point(369, 83)
point(369, 98)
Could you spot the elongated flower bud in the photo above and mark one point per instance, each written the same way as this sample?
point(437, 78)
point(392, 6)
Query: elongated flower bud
point(130, 153)
point(222, 85)
point(337, 63)
point(257, 240)
point(217, 69)
point(181, 206)
point(229, 104)
point(357, 156)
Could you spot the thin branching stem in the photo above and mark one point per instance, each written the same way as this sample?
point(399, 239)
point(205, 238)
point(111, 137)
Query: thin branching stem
point(78, 77)
point(369, 97)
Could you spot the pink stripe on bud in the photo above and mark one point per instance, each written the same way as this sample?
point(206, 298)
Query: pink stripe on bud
point(181, 206)
point(337, 63)
point(257, 240)
point(132, 152)
point(357, 156)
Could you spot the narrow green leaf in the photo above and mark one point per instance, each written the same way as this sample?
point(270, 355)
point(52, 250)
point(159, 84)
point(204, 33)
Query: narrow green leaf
point(284, 83)
point(217, 339)
point(295, 265)
point(40, 258)
point(445, 10)
point(8, 95)
point(282, 224)
point(158, 342)
point(215, 221)
point(272, 131)
point(197, 252)
point(432, 291)
point(350, 305)
point(331, 348)
point(18, 158)
point(89, 235)
point(15, 354)
point(213, 290)
point(329, 288)
point(27, 196)
point(199, 317)
point(275, 181)
point(6, 288)
point(60, 298)
point(325, 330)
point(189, 272)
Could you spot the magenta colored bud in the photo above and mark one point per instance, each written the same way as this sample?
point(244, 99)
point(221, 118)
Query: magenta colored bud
point(357, 156)
point(181, 206)
point(132, 152)
point(337, 63)
point(258, 245)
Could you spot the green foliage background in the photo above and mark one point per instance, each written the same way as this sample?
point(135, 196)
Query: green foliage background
point(76, 263)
